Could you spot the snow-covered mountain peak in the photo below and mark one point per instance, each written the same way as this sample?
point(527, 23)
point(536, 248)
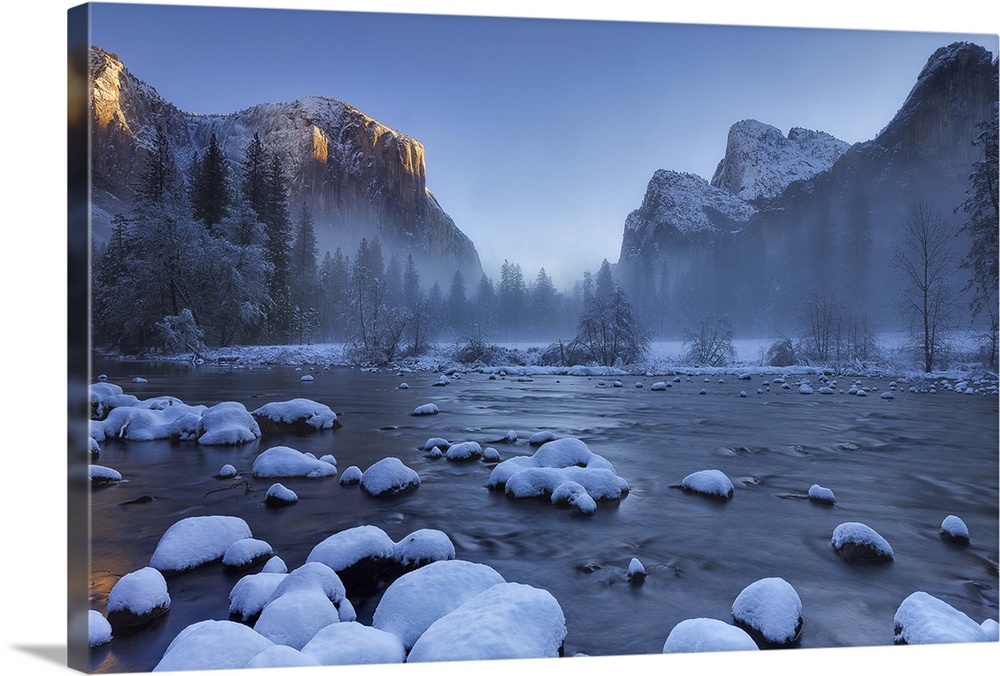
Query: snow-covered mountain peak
point(761, 162)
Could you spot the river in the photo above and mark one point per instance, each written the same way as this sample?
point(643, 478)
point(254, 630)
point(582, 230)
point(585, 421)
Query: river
point(899, 466)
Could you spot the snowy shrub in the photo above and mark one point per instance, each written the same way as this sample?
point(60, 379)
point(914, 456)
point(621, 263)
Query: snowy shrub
point(781, 352)
point(181, 333)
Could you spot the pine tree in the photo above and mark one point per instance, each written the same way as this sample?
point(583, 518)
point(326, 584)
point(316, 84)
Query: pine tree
point(211, 197)
point(457, 304)
point(277, 248)
point(255, 168)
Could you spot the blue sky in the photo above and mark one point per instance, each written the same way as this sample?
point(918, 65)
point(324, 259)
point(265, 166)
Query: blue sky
point(541, 134)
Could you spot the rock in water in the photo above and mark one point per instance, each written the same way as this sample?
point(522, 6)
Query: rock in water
point(925, 619)
point(857, 542)
point(955, 529)
point(703, 634)
point(771, 610)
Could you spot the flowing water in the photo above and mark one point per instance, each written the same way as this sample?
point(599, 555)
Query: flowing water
point(899, 466)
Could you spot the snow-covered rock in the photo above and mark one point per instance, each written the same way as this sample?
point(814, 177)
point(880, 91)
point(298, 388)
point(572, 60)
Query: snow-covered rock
point(275, 564)
point(244, 553)
point(711, 482)
point(435, 441)
point(466, 450)
point(278, 496)
point(426, 409)
point(279, 656)
point(294, 617)
point(636, 571)
point(348, 547)
point(101, 475)
point(506, 621)
point(539, 438)
point(771, 608)
point(197, 540)
point(353, 643)
point(925, 619)
point(858, 542)
point(227, 423)
point(491, 454)
point(307, 378)
point(351, 475)
point(804, 388)
point(659, 386)
point(955, 529)
point(212, 644)
point(314, 576)
point(227, 472)
point(575, 495)
point(295, 415)
point(703, 634)
point(818, 493)
point(389, 476)
point(283, 461)
point(98, 629)
point(137, 598)
point(252, 592)
point(424, 546)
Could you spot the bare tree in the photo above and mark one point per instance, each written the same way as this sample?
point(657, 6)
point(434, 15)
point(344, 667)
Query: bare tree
point(926, 260)
point(710, 342)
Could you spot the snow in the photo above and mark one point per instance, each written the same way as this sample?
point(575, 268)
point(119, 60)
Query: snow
point(212, 644)
point(417, 599)
point(252, 592)
point(354, 643)
point(533, 482)
point(293, 618)
point(351, 475)
point(821, 494)
point(284, 461)
point(244, 552)
point(275, 564)
point(424, 546)
point(955, 528)
point(426, 409)
point(857, 541)
point(465, 450)
point(280, 656)
point(925, 619)
point(491, 454)
point(703, 634)
point(315, 576)
point(506, 621)
point(805, 389)
point(101, 474)
point(278, 494)
point(573, 494)
point(342, 550)
point(227, 472)
point(197, 540)
point(227, 423)
point(389, 476)
point(306, 411)
point(539, 438)
point(636, 570)
point(98, 629)
point(711, 482)
point(435, 441)
point(772, 607)
point(141, 593)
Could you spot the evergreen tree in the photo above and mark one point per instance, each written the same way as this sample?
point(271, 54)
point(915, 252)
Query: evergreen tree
point(608, 332)
point(255, 178)
point(277, 249)
point(458, 304)
point(210, 193)
point(484, 311)
point(303, 260)
point(542, 304)
point(511, 297)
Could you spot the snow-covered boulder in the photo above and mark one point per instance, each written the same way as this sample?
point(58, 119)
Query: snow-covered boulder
point(357, 554)
point(389, 476)
point(283, 461)
point(293, 618)
point(539, 438)
point(330, 458)
point(703, 635)
point(439, 442)
point(955, 529)
point(244, 553)
point(818, 493)
point(491, 454)
point(804, 388)
point(275, 564)
point(95, 448)
point(315, 576)
point(197, 540)
point(711, 482)
point(251, 593)
point(659, 386)
point(102, 476)
point(636, 571)
point(575, 495)
point(295, 415)
point(212, 644)
point(426, 409)
point(857, 542)
point(136, 423)
point(422, 547)
point(886, 395)
point(351, 475)
point(506, 621)
point(417, 599)
point(307, 378)
point(137, 598)
point(354, 643)
point(227, 423)
point(98, 629)
point(466, 450)
point(227, 472)
point(770, 609)
point(280, 656)
point(278, 495)
point(925, 619)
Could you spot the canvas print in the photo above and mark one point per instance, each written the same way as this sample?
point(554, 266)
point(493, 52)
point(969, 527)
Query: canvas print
point(425, 338)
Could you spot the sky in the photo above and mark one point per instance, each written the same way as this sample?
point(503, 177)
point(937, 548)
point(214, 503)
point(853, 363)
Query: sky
point(540, 134)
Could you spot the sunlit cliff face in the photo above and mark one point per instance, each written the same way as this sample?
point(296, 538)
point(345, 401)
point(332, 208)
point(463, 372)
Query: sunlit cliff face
point(106, 95)
point(321, 145)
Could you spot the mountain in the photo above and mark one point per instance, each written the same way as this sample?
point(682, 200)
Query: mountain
point(815, 212)
point(358, 177)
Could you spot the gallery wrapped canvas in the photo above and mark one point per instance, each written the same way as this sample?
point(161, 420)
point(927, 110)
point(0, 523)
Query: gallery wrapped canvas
point(404, 338)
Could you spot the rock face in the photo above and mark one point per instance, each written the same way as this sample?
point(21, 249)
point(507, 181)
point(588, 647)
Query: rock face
point(358, 177)
point(761, 162)
point(783, 213)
